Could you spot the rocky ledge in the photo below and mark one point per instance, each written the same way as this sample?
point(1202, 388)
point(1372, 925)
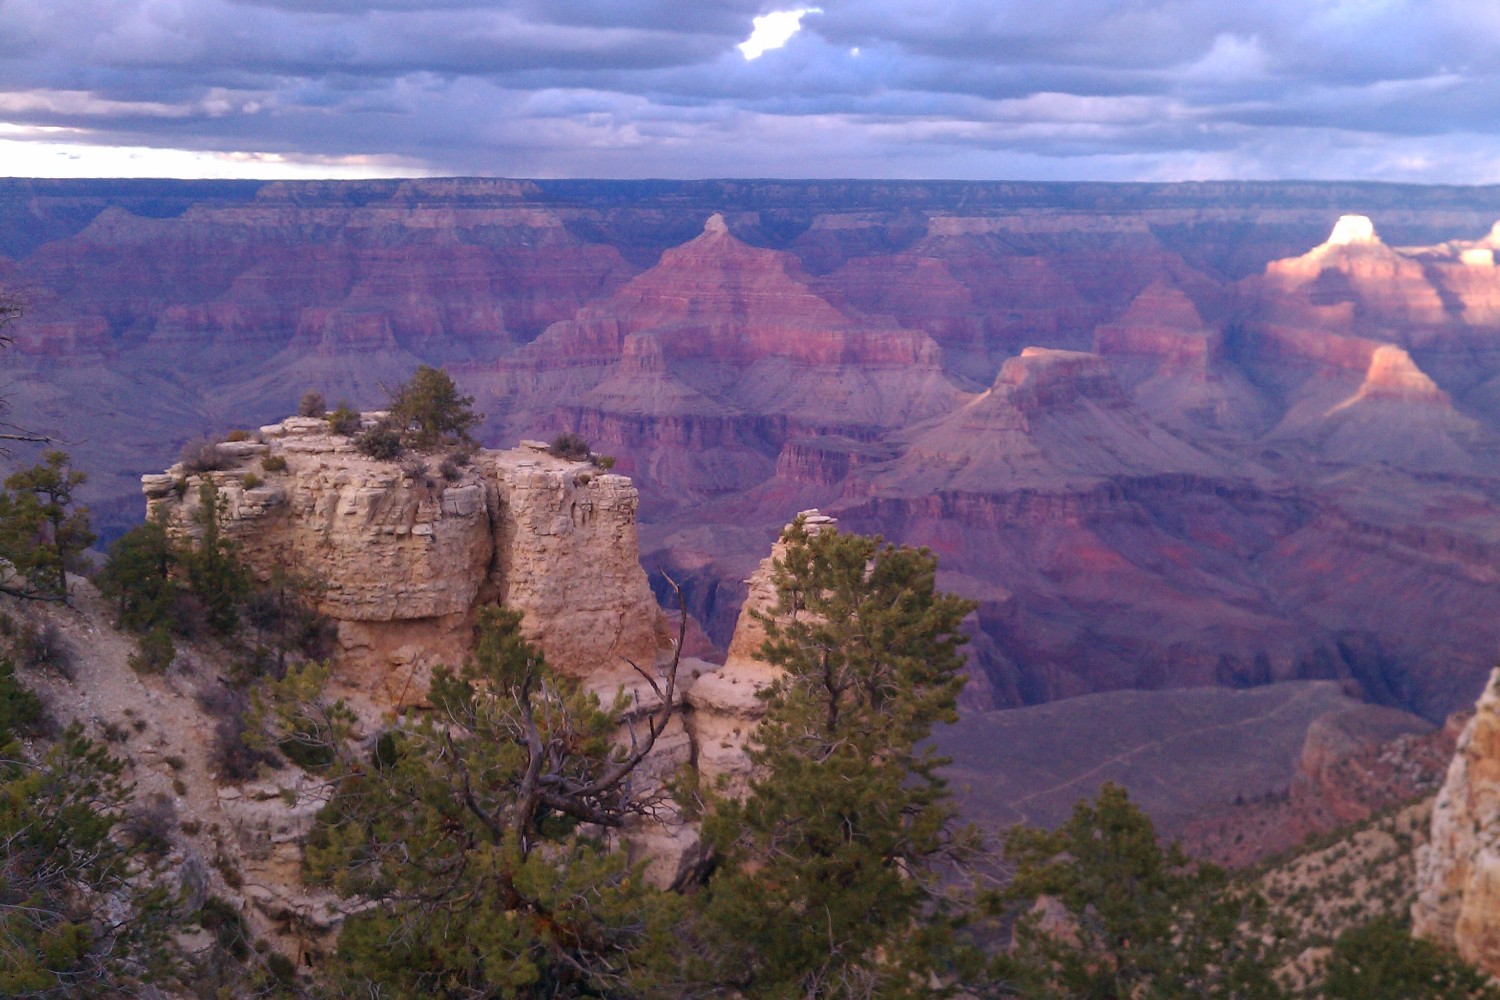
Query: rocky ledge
point(401, 554)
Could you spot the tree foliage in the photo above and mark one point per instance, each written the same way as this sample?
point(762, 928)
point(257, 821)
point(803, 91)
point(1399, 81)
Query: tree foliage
point(137, 577)
point(20, 709)
point(478, 839)
point(214, 571)
point(428, 411)
point(42, 530)
point(831, 872)
point(1108, 913)
point(1382, 961)
point(80, 915)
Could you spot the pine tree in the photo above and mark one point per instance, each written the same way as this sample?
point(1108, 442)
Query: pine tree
point(42, 532)
point(80, 913)
point(476, 841)
point(137, 577)
point(829, 879)
point(1107, 913)
point(215, 574)
point(427, 410)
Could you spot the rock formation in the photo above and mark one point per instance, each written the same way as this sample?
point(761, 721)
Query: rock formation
point(403, 556)
point(726, 704)
point(1399, 415)
point(1177, 367)
point(698, 369)
point(1458, 871)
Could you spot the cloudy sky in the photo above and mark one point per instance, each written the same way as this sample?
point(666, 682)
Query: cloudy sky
point(1046, 89)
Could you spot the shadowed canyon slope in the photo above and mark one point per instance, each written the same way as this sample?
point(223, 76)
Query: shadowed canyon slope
point(1167, 435)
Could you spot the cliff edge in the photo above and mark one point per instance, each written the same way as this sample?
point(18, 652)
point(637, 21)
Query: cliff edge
point(1458, 871)
point(401, 554)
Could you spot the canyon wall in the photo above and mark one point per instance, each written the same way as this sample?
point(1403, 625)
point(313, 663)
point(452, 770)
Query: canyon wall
point(1165, 434)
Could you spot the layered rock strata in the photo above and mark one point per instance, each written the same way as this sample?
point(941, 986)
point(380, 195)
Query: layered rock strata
point(400, 556)
point(1458, 871)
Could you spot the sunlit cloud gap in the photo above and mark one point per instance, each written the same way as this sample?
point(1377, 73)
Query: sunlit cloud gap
point(28, 151)
point(773, 30)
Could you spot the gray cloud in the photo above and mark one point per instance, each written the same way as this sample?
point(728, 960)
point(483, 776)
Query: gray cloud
point(1029, 88)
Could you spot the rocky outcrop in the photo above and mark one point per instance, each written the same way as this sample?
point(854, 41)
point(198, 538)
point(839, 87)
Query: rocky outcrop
point(726, 705)
point(1052, 420)
point(1393, 375)
point(402, 555)
point(1458, 871)
point(1353, 279)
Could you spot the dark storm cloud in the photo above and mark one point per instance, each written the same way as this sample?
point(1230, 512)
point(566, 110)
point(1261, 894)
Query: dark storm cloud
point(1150, 88)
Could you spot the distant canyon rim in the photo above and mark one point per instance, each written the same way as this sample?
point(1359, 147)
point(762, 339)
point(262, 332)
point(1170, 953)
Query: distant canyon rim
point(1167, 435)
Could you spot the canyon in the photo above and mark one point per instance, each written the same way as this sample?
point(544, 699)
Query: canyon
point(1168, 436)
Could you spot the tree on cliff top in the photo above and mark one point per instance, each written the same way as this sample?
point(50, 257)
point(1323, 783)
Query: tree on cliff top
point(427, 410)
point(836, 870)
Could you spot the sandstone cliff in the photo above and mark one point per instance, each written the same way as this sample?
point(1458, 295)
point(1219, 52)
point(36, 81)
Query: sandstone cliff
point(402, 556)
point(1458, 872)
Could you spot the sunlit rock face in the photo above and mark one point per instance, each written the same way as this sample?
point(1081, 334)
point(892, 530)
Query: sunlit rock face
point(1352, 229)
point(1458, 871)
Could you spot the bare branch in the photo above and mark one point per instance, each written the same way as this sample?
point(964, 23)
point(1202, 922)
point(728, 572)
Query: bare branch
point(657, 723)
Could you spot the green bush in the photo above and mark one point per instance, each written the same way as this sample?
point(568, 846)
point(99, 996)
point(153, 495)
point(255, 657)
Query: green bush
point(344, 420)
point(251, 481)
point(1382, 961)
point(569, 446)
point(380, 442)
point(237, 435)
point(273, 463)
point(20, 710)
point(154, 653)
